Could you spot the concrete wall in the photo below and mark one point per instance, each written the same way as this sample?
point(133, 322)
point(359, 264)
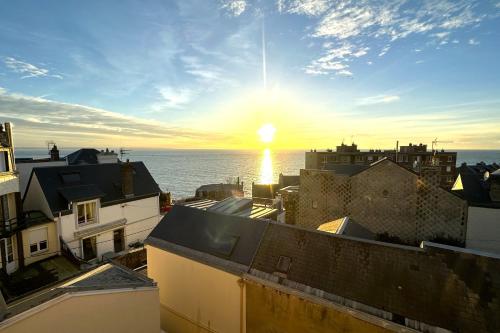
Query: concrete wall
point(483, 229)
point(195, 297)
point(384, 199)
point(272, 310)
point(52, 248)
point(9, 183)
point(34, 199)
point(105, 311)
point(25, 169)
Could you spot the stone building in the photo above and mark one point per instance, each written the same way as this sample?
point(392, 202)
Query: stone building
point(387, 199)
point(412, 157)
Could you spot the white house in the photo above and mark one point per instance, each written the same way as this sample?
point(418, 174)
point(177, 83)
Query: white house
point(97, 208)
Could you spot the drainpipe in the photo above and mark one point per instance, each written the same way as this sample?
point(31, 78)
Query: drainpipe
point(58, 236)
point(241, 283)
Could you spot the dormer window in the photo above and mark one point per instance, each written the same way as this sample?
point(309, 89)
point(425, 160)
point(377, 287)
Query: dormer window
point(86, 212)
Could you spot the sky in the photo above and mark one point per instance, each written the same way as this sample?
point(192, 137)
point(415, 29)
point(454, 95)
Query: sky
point(209, 74)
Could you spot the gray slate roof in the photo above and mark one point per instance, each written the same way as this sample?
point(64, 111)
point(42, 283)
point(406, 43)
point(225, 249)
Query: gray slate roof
point(91, 181)
point(231, 238)
point(475, 188)
point(83, 156)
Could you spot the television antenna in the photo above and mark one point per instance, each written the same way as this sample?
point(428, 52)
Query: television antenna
point(49, 143)
point(123, 152)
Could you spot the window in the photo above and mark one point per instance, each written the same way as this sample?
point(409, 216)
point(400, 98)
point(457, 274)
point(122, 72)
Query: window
point(89, 248)
point(38, 240)
point(86, 212)
point(10, 252)
point(370, 158)
point(284, 264)
point(450, 158)
point(4, 161)
point(448, 169)
point(314, 204)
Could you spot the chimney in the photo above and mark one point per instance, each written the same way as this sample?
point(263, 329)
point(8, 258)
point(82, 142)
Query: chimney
point(54, 153)
point(127, 174)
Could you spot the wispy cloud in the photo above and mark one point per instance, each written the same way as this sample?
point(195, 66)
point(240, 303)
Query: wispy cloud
point(472, 41)
point(306, 7)
point(335, 58)
point(377, 25)
point(234, 7)
point(174, 97)
point(74, 124)
point(28, 70)
point(378, 99)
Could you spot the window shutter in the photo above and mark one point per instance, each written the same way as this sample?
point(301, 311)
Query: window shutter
point(38, 235)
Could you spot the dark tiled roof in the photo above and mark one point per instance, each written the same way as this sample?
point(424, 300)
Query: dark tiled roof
point(83, 156)
point(81, 192)
point(229, 237)
point(103, 180)
point(475, 187)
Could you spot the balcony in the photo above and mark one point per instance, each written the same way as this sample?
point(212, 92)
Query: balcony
point(9, 182)
point(29, 219)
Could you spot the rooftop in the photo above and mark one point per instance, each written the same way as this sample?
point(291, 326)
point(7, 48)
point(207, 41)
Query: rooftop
point(205, 235)
point(236, 206)
point(104, 277)
point(62, 185)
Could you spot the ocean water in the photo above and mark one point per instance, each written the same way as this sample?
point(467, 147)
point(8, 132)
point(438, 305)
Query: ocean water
point(182, 171)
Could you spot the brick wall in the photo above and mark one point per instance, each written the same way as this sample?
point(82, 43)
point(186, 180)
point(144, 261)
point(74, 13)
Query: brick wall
point(385, 198)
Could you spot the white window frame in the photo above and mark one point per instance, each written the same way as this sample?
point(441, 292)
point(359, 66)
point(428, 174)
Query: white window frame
point(85, 203)
point(38, 251)
point(448, 168)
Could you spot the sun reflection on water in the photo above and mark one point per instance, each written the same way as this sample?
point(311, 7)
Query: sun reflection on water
point(266, 168)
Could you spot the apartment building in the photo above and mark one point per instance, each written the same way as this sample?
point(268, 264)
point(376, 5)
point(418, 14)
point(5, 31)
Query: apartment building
point(412, 157)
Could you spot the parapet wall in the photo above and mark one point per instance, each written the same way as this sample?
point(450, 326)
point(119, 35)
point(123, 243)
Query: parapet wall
point(445, 287)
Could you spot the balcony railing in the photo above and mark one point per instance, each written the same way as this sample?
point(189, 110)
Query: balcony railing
point(11, 226)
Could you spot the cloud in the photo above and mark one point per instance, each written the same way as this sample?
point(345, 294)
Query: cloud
point(28, 70)
point(472, 41)
point(378, 99)
point(176, 97)
point(335, 58)
point(234, 7)
point(37, 119)
point(377, 25)
point(304, 7)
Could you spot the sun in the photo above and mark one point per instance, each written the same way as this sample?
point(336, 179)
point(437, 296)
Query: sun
point(266, 133)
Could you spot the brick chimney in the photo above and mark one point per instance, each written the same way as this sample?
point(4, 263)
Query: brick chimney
point(54, 153)
point(127, 174)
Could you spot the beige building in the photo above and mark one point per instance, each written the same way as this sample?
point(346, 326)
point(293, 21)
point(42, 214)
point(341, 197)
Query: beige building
point(107, 299)
point(385, 198)
point(198, 259)
point(25, 237)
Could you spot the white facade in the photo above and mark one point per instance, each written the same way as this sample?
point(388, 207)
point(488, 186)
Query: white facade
point(25, 169)
point(483, 229)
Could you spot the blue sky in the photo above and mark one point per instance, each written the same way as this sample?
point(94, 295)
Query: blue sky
point(190, 73)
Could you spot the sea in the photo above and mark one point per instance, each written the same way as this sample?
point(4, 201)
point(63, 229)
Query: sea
point(182, 171)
